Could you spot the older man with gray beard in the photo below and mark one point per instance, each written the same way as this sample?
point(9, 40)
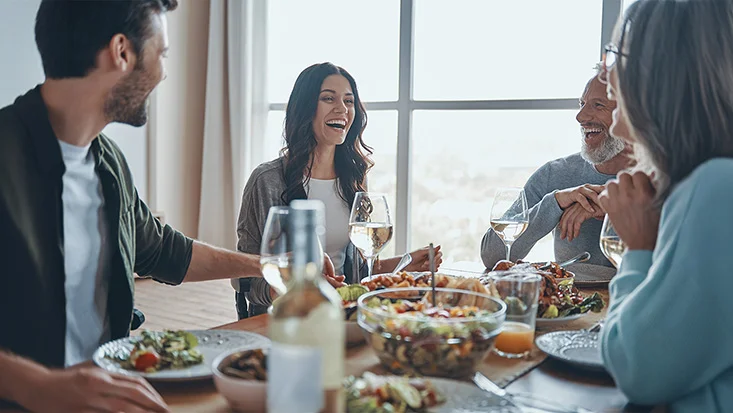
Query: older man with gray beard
point(562, 194)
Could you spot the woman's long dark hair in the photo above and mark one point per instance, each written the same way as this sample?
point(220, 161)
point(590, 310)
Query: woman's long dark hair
point(351, 160)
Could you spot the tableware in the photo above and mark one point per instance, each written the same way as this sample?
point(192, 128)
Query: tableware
point(551, 322)
point(404, 262)
point(241, 394)
point(509, 216)
point(591, 275)
point(523, 400)
point(275, 251)
point(519, 289)
point(370, 225)
point(582, 257)
point(578, 347)
point(612, 246)
point(410, 342)
point(211, 343)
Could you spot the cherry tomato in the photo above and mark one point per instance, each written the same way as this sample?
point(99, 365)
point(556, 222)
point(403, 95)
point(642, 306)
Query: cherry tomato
point(146, 360)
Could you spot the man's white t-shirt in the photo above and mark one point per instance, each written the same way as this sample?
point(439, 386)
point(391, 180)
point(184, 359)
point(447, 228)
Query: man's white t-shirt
point(86, 255)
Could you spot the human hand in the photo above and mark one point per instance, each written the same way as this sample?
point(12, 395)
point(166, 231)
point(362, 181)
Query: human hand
point(574, 217)
point(629, 203)
point(329, 273)
point(421, 259)
point(90, 389)
point(585, 195)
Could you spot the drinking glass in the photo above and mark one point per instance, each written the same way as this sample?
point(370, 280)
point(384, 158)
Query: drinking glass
point(370, 225)
point(520, 291)
point(612, 245)
point(509, 217)
point(275, 252)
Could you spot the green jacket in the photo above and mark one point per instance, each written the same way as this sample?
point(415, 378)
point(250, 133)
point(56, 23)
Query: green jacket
point(32, 295)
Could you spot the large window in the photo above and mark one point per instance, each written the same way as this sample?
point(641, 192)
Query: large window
point(462, 97)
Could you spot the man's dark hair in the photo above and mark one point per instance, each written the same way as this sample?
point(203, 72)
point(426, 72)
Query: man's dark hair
point(70, 33)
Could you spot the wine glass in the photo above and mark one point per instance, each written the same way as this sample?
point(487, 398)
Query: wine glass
point(275, 253)
point(370, 225)
point(509, 217)
point(611, 244)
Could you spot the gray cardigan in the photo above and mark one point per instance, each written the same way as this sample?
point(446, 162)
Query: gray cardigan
point(264, 190)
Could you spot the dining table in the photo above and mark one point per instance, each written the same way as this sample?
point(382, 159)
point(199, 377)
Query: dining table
point(540, 376)
point(543, 377)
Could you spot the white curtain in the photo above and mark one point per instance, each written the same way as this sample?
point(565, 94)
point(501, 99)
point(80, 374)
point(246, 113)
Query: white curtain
point(235, 115)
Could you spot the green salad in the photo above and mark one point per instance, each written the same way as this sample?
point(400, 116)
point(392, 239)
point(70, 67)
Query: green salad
point(155, 351)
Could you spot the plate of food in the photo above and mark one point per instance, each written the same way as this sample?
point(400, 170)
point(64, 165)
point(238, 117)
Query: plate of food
point(560, 301)
point(172, 355)
point(371, 393)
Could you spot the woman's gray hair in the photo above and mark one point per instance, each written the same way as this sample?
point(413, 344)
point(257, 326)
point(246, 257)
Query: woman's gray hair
point(676, 84)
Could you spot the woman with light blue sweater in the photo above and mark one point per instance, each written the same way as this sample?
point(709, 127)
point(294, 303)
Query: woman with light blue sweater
point(668, 336)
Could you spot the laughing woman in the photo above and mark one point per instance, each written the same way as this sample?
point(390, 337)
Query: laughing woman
point(668, 338)
point(324, 158)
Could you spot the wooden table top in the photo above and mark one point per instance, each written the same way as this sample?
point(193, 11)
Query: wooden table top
point(551, 380)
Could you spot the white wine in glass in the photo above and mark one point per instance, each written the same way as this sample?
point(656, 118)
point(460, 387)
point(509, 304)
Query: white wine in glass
point(275, 254)
point(370, 225)
point(612, 245)
point(509, 216)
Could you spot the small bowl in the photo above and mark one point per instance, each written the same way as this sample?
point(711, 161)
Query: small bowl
point(248, 396)
point(413, 343)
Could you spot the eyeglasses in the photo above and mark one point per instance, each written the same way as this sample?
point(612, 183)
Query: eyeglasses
point(610, 56)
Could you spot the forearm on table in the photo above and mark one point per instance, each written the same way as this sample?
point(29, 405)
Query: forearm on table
point(213, 263)
point(17, 375)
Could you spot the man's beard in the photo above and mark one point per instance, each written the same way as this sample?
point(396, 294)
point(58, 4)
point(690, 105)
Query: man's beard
point(607, 150)
point(127, 102)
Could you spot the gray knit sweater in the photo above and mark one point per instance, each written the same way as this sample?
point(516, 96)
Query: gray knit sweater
point(545, 214)
point(264, 190)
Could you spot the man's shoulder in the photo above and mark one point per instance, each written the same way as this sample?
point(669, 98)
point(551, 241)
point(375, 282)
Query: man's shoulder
point(573, 161)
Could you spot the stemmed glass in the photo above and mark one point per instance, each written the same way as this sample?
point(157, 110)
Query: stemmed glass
point(275, 253)
point(612, 245)
point(509, 217)
point(370, 225)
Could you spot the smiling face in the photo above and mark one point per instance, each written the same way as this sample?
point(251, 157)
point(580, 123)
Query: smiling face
point(594, 117)
point(620, 123)
point(335, 111)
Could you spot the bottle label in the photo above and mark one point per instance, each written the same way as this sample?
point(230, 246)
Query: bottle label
point(294, 379)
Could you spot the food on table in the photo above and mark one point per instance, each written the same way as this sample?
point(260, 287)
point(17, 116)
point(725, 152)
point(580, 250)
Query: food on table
point(349, 294)
point(155, 351)
point(558, 295)
point(248, 365)
point(378, 394)
point(416, 337)
point(403, 279)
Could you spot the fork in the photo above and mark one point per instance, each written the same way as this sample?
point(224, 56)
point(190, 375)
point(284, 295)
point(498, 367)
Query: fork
point(523, 399)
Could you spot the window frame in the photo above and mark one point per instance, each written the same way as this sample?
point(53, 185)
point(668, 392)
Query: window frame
point(405, 105)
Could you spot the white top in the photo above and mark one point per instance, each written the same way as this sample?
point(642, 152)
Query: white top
point(337, 218)
point(86, 255)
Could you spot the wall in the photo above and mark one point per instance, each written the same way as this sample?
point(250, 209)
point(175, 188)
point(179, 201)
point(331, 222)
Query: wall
point(177, 119)
point(21, 70)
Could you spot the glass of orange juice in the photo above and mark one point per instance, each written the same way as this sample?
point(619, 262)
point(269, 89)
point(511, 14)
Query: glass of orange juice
point(519, 289)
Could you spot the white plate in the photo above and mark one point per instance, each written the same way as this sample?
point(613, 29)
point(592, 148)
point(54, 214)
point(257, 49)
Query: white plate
point(462, 397)
point(544, 322)
point(591, 275)
point(576, 347)
point(211, 344)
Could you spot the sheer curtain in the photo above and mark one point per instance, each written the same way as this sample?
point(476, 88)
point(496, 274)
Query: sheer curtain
point(235, 115)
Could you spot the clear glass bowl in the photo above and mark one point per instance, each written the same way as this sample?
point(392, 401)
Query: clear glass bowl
point(417, 343)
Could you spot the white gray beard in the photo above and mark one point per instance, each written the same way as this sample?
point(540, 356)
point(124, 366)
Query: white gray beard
point(609, 148)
